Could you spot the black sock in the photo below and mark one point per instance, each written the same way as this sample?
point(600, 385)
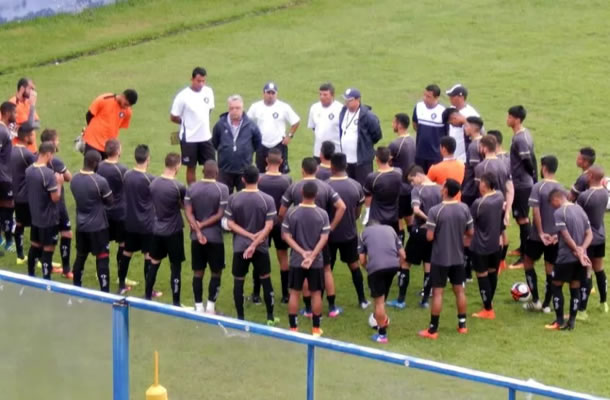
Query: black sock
point(433, 328)
point(358, 282)
point(468, 262)
point(198, 289)
point(427, 287)
point(7, 223)
point(485, 291)
point(331, 301)
point(292, 319)
point(585, 292)
point(176, 282)
point(548, 291)
point(558, 304)
point(214, 288)
point(146, 268)
point(33, 255)
point(256, 285)
point(65, 244)
point(268, 296)
point(461, 321)
point(307, 301)
point(524, 230)
point(119, 255)
point(383, 328)
point(19, 241)
point(284, 279)
point(102, 266)
point(151, 277)
point(316, 320)
point(504, 251)
point(532, 283)
point(238, 297)
point(493, 283)
point(77, 269)
point(602, 285)
point(122, 270)
point(574, 303)
point(404, 276)
point(47, 260)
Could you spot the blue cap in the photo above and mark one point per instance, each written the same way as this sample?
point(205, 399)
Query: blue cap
point(351, 93)
point(270, 87)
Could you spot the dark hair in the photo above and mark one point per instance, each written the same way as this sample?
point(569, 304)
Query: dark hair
point(383, 154)
point(414, 170)
point(556, 192)
point(327, 87)
point(251, 174)
point(199, 71)
point(141, 153)
point(22, 82)
point(46, 148)
point(112, 147)
point(447, 114)
point(588, 154)
point(497, 134)
point(448, 143)
point(92, 159)
point(518, 112)
point(338, 162)
point(22, 133)
point(7, 107)
point(310, 190)
point(327, 149)
point(210, 169)
point(131, 96)
point(48, 135)
point(489, 179)
point(403, 119)
point(309, 165)
point(436, 91)
point(489, 142)
point(274, 156)
point(475, 121)
point(172, 160)
point(550, 162)
point(453, 187)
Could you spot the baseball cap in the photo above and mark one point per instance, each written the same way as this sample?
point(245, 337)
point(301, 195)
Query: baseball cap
point(351, 93)
point(28, 127)
point(457, 90)
point(270, 87)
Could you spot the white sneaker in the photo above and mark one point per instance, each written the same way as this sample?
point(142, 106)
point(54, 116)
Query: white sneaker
point(365, 217)
point(546, 310)
point(365, 304)
point(199, 308)
point(531, 306)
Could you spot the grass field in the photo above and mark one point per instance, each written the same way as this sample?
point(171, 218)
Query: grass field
point(550, 56)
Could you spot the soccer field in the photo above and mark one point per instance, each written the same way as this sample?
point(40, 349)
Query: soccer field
point(551, 57)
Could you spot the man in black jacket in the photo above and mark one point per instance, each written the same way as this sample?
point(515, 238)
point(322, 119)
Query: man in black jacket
point(235, 138)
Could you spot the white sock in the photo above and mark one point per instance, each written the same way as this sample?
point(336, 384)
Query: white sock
point(199, 307)
point(211, 307)
point(365, 218)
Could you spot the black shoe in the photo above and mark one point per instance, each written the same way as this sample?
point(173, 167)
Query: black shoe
point(568, 326)
point(256, 300)
point(284, 300)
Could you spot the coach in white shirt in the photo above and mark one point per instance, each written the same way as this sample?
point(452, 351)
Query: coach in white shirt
point(191, 110)
point(324, 119)
point(272, 116)
point(457, 96)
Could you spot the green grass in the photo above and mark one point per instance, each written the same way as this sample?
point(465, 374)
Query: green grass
point(551, 57)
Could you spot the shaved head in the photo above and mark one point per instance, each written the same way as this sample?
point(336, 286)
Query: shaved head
point(210, 169)
point(596, 174)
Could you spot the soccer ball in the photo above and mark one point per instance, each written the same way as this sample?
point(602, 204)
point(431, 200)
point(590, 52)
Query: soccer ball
point(224, 222)
point(520, 292)
point(373, 322)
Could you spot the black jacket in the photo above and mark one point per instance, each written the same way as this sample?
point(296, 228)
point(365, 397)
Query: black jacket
point(369, 133)
point(235, 157)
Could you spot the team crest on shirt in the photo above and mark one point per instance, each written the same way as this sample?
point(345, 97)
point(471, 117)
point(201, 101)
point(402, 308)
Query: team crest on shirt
point(206, 100)
point(331, 116)
point(275, 115)
point(433, 115)
point(121, 114)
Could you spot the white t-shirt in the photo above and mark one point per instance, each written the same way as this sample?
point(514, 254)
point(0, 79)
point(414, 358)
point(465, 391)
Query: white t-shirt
point(457, 132)
point(272, 120)
point(194, 110)
point(324, 121)
point(349, 138)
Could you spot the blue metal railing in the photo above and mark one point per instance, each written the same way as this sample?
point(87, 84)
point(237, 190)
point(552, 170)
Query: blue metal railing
point(120, 343)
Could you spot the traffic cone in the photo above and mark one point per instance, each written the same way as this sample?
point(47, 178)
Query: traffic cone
point(156, 391)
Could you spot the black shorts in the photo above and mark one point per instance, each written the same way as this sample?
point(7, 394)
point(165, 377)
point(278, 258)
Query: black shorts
point(326, 255)
point(137, 242)
point(261, 157)
point(64, 220)
point(95, 243)
point(596, 251)
point(260, 262)
point(194, 153)
point(276, 237)
point(359, 172)
point(404, 206)
point(91, 148)
point(418, 248)
point(535, 249)
point(44, 236)
point(314, 276)
point(380, 281)
point(116, 230)
point(348, 251)
point(569, 272)
point(521, 208)
point(171, 246)
point(439, 275)
point(209, 253)
point(485, 262)
point(22, 214)
point(394, 224)
point(6, 191)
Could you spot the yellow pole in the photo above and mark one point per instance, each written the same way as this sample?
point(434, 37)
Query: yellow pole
point(156, 391)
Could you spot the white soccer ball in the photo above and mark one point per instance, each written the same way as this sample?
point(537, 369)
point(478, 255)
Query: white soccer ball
point(224, 222)
point(373, 322)
point(521, 292)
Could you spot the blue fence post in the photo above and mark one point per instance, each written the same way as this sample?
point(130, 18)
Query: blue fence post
point(512, 394)
point(120, 350)
point(311, 361)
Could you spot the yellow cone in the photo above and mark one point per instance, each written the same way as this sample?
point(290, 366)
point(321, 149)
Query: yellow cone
point(156, 391)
